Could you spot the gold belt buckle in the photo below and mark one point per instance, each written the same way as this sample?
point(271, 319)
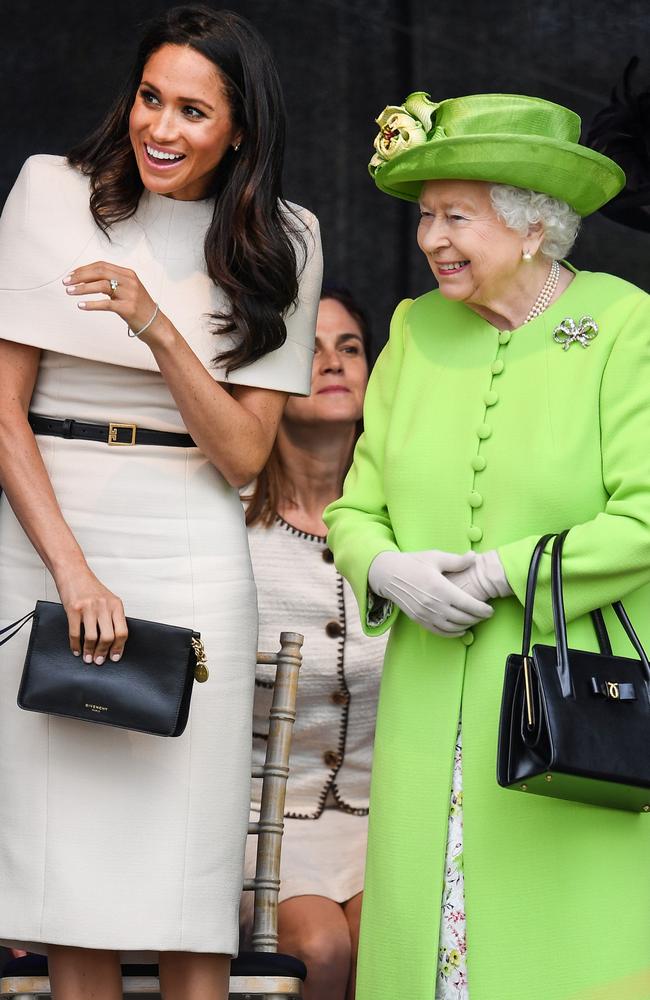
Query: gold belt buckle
point(112, 434)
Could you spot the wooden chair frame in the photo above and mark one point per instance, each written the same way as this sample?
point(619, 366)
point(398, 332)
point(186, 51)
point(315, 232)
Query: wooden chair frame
point(266, 883)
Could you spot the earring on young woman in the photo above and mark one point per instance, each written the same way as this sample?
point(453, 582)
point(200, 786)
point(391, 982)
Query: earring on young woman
point(526, 255)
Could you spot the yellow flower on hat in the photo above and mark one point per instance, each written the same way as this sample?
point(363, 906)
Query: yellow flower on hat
point(403, 126)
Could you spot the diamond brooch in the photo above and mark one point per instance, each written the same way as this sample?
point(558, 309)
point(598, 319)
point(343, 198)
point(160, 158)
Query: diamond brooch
point(569, 332)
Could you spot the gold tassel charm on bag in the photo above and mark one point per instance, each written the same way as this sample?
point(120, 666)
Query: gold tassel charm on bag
point(201, 672)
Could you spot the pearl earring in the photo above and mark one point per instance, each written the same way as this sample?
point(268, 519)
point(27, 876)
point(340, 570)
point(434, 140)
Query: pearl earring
point(526, 255)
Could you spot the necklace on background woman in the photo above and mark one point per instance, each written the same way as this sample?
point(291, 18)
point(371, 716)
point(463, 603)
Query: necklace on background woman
point(543, 300)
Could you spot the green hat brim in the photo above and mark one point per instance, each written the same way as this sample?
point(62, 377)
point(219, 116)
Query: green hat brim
point(584, 179)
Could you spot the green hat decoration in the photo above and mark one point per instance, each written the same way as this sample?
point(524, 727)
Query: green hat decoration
point(500, 138)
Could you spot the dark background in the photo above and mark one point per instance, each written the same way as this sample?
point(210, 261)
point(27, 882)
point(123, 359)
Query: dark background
point(341, 63)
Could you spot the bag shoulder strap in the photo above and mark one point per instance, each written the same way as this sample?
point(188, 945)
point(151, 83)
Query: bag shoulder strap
point(14, 628)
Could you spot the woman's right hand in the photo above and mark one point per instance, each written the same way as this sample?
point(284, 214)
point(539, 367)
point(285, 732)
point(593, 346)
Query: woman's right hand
point(89, 603)
point(417, 584)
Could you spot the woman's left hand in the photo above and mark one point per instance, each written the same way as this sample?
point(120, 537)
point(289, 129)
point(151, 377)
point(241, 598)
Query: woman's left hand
point(484, 579)
point(127, 296)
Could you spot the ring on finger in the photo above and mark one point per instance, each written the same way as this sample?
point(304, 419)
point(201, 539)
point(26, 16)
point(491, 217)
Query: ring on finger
point(114, 283)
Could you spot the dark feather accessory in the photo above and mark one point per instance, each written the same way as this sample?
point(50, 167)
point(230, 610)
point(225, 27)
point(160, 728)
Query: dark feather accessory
point(622, 131)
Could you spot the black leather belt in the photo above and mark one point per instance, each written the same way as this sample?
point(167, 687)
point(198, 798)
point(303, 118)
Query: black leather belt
point(111, 434)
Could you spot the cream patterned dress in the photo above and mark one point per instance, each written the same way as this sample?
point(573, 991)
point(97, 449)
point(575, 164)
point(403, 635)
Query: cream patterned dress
point(452, 950)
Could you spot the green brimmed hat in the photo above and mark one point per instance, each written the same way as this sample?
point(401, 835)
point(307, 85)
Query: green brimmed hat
point(501, 138)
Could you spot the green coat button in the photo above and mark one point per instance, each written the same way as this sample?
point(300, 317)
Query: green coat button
point(504, 336)
point(497, 366)
point(491, 397)
point(467, 639)
point(484, 431)
point(478, 463)
point(475, 499)
point(474, 533)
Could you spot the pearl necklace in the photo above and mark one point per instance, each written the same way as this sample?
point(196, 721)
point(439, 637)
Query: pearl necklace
point(548, 291)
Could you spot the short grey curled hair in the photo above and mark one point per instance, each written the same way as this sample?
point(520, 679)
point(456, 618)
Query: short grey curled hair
point(520, 208)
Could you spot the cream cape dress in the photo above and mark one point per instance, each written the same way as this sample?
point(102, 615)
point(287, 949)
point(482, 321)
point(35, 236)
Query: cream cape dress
point(112, 839)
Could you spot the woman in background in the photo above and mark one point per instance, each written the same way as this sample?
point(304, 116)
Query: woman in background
point(326, 818)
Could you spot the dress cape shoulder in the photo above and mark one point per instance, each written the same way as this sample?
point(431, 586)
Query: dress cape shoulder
point(47, 229)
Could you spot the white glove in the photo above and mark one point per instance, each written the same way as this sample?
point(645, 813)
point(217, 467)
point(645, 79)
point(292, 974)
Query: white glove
point(416, 583)
point(484, 579)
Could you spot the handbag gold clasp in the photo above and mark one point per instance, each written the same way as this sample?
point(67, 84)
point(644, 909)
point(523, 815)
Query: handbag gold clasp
point(201, 672)
point(530, 717)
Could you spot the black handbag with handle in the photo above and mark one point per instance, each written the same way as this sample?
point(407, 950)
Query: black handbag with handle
point(575, 724)
point(148, 690)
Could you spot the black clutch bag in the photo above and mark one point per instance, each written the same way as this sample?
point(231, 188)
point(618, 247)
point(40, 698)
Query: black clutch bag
point(575, 724)
point(148, 690)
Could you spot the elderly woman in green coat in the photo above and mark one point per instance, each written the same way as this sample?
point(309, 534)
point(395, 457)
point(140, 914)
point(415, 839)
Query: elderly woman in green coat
point(512, 401)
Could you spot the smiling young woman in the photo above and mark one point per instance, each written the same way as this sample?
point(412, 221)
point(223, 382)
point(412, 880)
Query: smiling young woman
point(181, 124)
point(167, 224)
point(233, 149)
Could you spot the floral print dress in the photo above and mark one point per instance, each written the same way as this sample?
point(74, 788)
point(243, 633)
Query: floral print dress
point(452, 967)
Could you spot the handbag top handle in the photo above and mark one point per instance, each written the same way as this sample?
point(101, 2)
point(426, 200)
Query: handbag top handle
point(531, 587)
point(604, 644)
point(559, 620)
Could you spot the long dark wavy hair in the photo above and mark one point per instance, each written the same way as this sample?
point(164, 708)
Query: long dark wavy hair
point(272, 485)
point(254, 246)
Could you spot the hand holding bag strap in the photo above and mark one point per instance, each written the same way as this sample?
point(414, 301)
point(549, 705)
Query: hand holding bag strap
point(14, 628)
point(531, 587)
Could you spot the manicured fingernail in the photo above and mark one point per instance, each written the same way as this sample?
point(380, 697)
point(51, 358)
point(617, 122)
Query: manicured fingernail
point(115, 657)
point(76, 652)
point(71, 289)
point(81, 305)
point(88, 658)
point(99, 661)
point(67, 279)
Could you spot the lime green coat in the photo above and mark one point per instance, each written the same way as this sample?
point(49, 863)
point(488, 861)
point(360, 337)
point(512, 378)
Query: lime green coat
point(486, 439)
